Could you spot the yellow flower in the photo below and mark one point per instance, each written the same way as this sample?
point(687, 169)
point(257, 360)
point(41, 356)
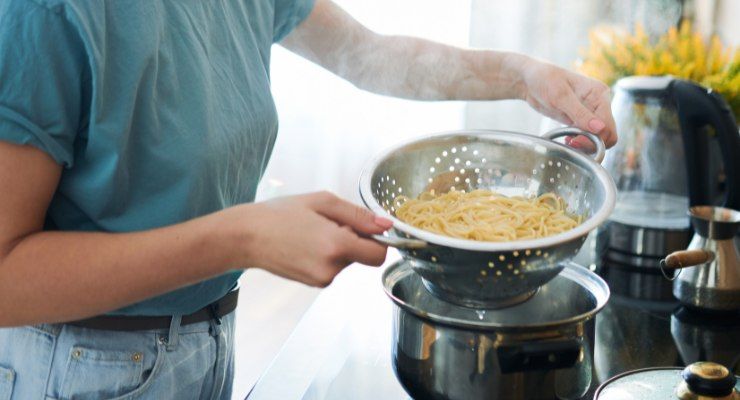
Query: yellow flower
point(682, 52)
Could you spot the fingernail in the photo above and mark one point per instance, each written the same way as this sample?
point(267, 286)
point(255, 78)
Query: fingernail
point(383, 222)
point(596, 125)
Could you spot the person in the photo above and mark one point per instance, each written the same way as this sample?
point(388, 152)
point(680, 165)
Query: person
point(133, 136)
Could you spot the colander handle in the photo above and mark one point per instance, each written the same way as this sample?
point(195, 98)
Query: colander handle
point(399, 242)
point(571, 131)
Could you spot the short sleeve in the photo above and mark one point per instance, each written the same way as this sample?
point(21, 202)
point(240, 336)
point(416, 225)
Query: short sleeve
point(288, 14)
point(42, 68)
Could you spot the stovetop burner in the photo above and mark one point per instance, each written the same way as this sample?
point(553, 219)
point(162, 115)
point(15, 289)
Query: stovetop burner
point(638, 282)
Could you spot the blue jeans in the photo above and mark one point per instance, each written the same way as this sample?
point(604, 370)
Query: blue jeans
point(63, 362)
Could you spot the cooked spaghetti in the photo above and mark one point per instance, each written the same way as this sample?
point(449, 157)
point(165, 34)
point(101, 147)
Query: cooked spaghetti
point(486, 215)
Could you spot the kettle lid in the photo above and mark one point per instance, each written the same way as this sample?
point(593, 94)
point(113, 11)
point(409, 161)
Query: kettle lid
point(651, 85)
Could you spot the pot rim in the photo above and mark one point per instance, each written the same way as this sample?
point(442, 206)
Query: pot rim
point(600, 174)
point(580, 275)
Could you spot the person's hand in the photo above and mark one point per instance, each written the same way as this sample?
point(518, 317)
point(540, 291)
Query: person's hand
point(570, 98)
point(310, 238)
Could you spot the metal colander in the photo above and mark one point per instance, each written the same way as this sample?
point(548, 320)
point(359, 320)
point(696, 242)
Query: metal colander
point(489, 274)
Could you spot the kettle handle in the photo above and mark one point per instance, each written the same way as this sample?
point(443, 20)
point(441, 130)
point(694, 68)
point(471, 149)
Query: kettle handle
point(697, 106)
point(687, 258)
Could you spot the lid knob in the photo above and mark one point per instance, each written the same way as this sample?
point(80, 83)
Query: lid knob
point(706, 379)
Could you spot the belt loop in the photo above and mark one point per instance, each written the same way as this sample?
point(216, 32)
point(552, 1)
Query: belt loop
point(52, 329)
point(215, 327)
point(213, 308)
point(173, 337)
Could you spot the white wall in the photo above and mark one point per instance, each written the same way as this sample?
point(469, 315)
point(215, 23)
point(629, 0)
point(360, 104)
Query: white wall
point(328, 128)
point(726, 13)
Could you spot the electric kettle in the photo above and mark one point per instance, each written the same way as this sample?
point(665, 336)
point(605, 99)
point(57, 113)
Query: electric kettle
point(678, 147)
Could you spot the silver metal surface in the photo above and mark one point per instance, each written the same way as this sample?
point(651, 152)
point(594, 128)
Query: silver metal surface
point(574, 295)
point(716, 284)
point(598, 156)
point(644, 246)
point(536, 349)
point(716, 223)
point(641, 384)
point(652, 384)
point(487, 274)
point(399, 242)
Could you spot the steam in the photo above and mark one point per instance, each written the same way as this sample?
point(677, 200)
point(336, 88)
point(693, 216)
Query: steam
point(398, 66)
point(412, 68)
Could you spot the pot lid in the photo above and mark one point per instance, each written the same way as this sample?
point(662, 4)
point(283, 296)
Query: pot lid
point(700, 380)
point(572, 296)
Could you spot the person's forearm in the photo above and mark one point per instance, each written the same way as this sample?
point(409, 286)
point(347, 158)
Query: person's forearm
point(419, 69)
point(402, 66)
point(61, 276)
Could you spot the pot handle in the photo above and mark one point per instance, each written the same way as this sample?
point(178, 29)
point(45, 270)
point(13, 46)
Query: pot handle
point(687, 258)
point(399, 242)
point(572, 131)
point(531, 356)
point(573, 383)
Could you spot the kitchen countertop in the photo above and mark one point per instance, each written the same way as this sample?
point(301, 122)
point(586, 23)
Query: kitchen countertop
point(341, 345)
point(341, 348)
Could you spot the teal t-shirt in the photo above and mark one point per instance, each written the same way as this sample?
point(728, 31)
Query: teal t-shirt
point(159, 110)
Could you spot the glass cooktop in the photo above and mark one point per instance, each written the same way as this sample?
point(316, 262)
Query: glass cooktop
point(341, 349)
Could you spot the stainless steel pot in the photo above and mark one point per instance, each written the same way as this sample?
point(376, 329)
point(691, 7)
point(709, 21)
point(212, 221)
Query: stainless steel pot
point(489, 274)
point(640, 246)
point(535, 349)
